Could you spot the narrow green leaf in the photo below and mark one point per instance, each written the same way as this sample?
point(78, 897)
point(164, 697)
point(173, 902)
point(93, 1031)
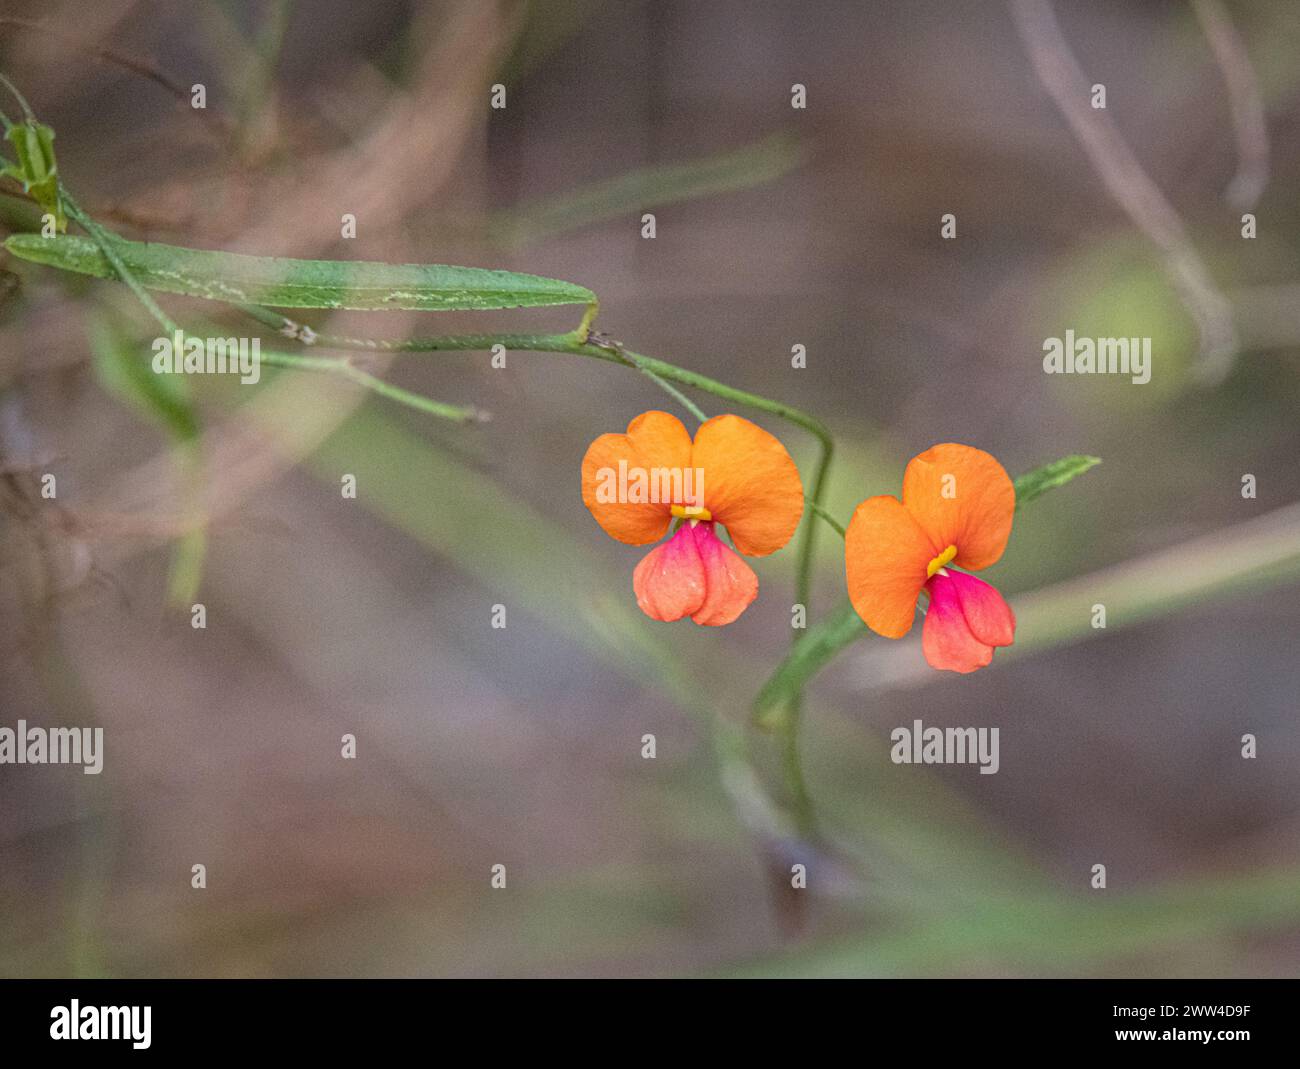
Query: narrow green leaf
point(126, 373)
point(650, 187)
point(1059, 472)
point(128, 376)
point(285, 283)
point(1017, 933)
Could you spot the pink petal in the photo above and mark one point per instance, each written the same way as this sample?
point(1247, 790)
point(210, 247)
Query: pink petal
point(669, 582)
point(946, 638)
point(989, 617)
point(694, 574)
point(730, 583)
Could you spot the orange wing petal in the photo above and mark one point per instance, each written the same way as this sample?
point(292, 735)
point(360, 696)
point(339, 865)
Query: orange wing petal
point(961, 496)
point(751, 485)
point(885, 558)
point(654, 440)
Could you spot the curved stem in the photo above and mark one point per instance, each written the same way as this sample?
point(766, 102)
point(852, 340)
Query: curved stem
point(796, 787)
point(816, 648)
point(835, 524)
point(348, 370)
point(637, 361)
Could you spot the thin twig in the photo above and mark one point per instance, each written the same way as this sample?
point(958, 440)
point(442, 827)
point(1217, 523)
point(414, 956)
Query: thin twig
point(105, 243)
point(1134, 191)
point(348, 368)
point(142, 67)
point(1244, 100)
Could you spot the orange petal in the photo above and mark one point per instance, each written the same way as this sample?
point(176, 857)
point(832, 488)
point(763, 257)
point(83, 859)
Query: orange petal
point(654, 441)
point(885, 559)
point(693, 574)
point(961, 496)
point(751, 485)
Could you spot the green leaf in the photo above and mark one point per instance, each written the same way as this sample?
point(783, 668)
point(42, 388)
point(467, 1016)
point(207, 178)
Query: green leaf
point(1049, 932)
point(1059, 472)
point(285, 283)
point(128, 376)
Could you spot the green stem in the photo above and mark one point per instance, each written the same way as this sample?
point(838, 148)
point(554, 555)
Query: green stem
point(781, 696)
point(835, 524)
point(574, 342)
point(348, 370)
point(638, 362)
point(22, 101)
point(779, 705)
point(525, 342)
point(796, 787)
point(105, 244)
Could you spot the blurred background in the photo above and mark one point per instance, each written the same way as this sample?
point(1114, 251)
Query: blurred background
point(522, 746)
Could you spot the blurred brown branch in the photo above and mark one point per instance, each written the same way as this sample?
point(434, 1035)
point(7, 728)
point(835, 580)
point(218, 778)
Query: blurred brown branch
point(1130, 185)
point(1247, 186)
point(145, 68)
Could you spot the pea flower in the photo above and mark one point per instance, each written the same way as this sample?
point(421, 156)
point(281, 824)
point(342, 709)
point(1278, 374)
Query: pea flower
point(956, 510)
point(734, 474)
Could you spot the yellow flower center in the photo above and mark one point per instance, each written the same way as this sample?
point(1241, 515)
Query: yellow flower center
point(939, 561)
point(693, 512)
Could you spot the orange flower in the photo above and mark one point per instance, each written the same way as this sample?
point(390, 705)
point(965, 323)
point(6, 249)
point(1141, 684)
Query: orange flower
point(734, 474)
point(956, 510)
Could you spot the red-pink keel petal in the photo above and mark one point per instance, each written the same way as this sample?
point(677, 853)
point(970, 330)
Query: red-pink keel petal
point(988, 616)
point(669, 582)
point(693, 574)
point(946, 638)
point(730, 583)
